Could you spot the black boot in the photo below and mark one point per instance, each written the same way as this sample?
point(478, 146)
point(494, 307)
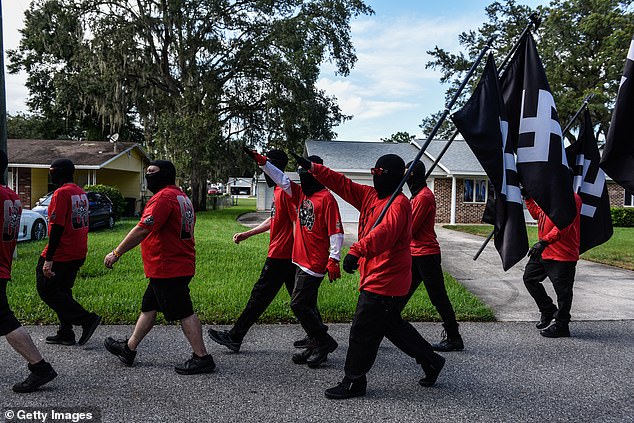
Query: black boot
point(196, 365)
point(41, 373)
point(88, 329)
point(544, 320)
point(432, 372)
point(558, 330)
point(61, 338)
point(451, 341)
point(347, 389)
point(319, 354)
point(121, 350)
point(304, 342)
point(225, 338)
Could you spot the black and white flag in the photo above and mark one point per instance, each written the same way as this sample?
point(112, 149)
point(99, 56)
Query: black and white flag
point(535, 134)
point(590, 183)
point(618, 155)
point(483, 124)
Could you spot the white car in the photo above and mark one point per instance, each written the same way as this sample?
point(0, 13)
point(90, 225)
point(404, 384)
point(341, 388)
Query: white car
point(32, 226)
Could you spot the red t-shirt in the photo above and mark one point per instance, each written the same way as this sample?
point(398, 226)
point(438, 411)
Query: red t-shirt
point(317, 219)
point(563, 244)
point(168, 251)
point(69, 208)
point(283, 214)
point(10, 221)
point(424, 242)
point(385, 264)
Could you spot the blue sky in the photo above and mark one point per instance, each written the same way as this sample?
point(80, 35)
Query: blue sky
point(389, 90)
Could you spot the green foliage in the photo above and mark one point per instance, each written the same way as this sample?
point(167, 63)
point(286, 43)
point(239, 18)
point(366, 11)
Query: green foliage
point(622, 217)
point(400, 137)
point(225, 274)
point(118, 202)
point(202, 77)
point(582, 43)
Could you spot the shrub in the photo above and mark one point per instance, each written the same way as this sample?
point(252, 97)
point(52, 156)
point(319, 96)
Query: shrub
point(622, 217)
point(113, 193)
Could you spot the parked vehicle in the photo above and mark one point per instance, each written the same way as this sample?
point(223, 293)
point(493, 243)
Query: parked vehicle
point(100, 209)
point(32, 226)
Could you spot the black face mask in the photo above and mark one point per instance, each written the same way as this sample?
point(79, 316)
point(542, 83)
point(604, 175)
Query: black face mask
point(62, 171)
point(310, 185)
point(416, 180)
point(387, 180)
point(165, 176)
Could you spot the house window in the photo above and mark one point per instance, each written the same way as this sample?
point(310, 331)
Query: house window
point(629, 199)
point(475, 191)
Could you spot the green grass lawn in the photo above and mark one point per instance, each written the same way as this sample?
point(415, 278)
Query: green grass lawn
point(225, 275)
point(618, 251)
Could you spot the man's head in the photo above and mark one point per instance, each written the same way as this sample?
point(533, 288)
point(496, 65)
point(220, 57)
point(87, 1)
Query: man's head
point(4, 163)
point(61, 171)
point(279, 159)
point(159, 174)
point(416, 180)
point(387, 174)
point(310, 185)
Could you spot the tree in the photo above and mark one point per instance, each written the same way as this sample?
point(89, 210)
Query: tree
point(201, 77)
point(400, 137)
point(582, 44)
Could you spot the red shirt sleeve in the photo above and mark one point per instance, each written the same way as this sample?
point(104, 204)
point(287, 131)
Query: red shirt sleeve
point(351, 192)
point(58, 209)
point(384, 235)
point(155, 215)
point(333, 218)
point(533, 208)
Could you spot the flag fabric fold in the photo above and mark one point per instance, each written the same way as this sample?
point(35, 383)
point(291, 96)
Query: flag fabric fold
point(535, 134)
point(590, 183)
point(618, 154)
point(483, 124)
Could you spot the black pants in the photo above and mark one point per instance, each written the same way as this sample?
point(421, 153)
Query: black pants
point(275, 274)
point(428, 270)
point(57, 293)
point(8, 321)
point(378, 316)
point(304, 305)
point(562, 275)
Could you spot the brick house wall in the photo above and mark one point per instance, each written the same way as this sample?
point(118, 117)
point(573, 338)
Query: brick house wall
point(616, 194)
point(442, 191)
point(24, 186)
point(465, 212)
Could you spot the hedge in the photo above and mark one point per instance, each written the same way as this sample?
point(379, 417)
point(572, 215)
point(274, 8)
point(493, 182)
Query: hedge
point(622, 217)
point(113, 193)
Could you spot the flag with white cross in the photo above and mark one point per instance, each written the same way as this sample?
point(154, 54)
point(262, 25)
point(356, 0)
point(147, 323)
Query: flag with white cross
point(483, 124)
point(618, 154)
point(535, 134)
point(589, 182)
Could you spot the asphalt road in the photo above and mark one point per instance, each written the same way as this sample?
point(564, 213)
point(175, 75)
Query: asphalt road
point(507, 372)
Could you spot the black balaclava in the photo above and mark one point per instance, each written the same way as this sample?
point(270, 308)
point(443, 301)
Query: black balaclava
point(62, 171)
point(279, 159)
point(164, 177)
point(416, 180)
point(4, 163)
point(394, 168)
point(310, 185)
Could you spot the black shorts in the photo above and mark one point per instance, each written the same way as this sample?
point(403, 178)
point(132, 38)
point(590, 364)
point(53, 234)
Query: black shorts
point(169, 296)
point(8, 322)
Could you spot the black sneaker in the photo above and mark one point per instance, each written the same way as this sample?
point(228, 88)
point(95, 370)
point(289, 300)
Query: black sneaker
point(346, 390)
point(545, 320)
point(224, 338)
point(302, 357)
point(453, 343)
point(556, 331)
point(304, 342)
point(60, 339)
point(196, 365)
point(88, 329)
point(319, 354)
point(121, 350)
point(35, 380)
point(432, 372)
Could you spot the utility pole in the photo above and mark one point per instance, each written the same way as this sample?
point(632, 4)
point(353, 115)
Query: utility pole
point(3, 97)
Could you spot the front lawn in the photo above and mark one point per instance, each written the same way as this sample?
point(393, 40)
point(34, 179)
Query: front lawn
point(618, 251)
point(225, 275)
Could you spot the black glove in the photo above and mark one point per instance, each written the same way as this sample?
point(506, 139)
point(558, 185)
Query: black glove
point(350, 263)
point(305, 163)
point(536, 250)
